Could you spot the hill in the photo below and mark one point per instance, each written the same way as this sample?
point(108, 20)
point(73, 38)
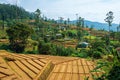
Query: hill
point(98, 25)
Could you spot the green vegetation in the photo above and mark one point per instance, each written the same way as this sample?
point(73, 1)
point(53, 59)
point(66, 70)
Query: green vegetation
point(9, 12)
point(51, 49)
point(110, 66)
point(18, 35)
point(35, 34)
point(3, 34)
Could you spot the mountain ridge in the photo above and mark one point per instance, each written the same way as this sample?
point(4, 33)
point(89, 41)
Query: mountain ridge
point(98, 25)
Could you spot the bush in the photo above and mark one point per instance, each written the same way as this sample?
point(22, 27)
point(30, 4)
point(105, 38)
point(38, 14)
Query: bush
point(44, 48)
point(116, 44)
point(101, 49)
point(97, 49)
point(83, 53)
point(71, 34)
point(17, 47)
point(96, 54)
point(47, 48)
point(97, 44)
point(4, 46)
point(3, 34)
point(62, 51)
point(52, 38)
point(114, 73)
point(46, 40)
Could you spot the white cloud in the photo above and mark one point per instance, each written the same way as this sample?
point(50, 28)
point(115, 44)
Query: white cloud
point(94, 10)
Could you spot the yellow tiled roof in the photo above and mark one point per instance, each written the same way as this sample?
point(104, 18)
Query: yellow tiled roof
point(73, 70)
point(43, 67)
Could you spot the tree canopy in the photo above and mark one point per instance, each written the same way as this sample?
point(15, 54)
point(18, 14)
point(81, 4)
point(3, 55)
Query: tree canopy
point(8, 11)
point(18, 35)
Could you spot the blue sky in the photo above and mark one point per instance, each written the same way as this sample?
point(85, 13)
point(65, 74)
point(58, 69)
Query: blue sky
point(93, 10)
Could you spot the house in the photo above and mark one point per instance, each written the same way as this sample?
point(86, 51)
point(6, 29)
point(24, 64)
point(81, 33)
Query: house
point(82, 45)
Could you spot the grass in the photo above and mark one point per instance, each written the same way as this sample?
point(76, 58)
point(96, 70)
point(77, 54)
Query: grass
point(73, 31)
point(114, 41)
point(3, 34)
point(90, 37)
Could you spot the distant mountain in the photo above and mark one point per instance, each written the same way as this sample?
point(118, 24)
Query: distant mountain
point(98, 25)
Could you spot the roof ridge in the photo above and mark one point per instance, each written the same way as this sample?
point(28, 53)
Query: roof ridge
point(45, 71)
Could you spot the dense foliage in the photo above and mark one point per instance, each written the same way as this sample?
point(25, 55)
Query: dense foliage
point(18, 35)
point(51, 49)
point(9, 12)
point(54, 38)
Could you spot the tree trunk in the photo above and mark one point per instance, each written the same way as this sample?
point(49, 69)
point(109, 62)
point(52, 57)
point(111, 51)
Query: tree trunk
point(3, 22)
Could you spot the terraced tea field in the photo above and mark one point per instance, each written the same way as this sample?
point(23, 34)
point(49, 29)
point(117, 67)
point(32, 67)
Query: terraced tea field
point(43, 67)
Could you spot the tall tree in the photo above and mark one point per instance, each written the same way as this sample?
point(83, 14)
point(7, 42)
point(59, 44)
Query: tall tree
point(118, 32)
point(82, 22)
point(18, 35)
point(37, 16)
point(39, 24)
point(2, 16)
point(61, 20)
point(109, 20)
point(68, 21)
point(79, 23)
point(9, 12)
